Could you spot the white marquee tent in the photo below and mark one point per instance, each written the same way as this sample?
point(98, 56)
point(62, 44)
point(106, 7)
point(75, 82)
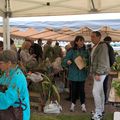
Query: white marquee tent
point(23, 8)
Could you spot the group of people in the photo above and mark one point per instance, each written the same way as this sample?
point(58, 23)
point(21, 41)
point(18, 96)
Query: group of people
point(14, 94)
point(97, 64)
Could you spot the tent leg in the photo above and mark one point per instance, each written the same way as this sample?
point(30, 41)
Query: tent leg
point(6, 33)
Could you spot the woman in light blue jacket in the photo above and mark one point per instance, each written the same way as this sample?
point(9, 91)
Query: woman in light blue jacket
point(16, 84)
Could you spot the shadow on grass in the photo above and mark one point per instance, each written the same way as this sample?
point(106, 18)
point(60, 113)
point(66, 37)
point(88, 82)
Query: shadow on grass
point(86, 116)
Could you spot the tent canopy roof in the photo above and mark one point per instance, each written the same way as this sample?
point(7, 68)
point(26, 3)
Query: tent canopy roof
point(24, 8)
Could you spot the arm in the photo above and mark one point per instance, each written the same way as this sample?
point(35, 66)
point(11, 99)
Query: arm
point(67, 59)
point(10, 96)
point(102, 60)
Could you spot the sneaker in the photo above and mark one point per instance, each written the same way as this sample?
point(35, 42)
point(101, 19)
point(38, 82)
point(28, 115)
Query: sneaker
point(103, 113)
point(106, 102)
point(72, 108)
point(83, 108)
point(96, 116)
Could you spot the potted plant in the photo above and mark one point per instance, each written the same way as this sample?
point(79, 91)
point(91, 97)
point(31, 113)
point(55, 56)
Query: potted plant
point(116, 85)
point(116, 82)
point(116, 65)
point(47, 90)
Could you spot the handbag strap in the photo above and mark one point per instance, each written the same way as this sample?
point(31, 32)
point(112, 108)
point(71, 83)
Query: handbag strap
point(20, 101)
point(21, 104)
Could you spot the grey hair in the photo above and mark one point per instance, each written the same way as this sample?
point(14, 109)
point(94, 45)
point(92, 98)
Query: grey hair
point(9, 55)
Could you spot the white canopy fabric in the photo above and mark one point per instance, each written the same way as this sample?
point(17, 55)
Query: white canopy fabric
point(30, 8)
point(23, 8)
point(63, 34)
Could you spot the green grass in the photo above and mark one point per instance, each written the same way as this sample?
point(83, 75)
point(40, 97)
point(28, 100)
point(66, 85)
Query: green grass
point(35, 116)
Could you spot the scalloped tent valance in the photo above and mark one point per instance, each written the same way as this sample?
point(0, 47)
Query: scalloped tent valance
point(23, 8)
point(63, 34)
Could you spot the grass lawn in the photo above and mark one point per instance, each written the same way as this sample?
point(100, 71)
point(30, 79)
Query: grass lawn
point(35, 116)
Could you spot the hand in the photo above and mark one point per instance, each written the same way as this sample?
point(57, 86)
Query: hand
point(69, 62)
point(97, 77)
point(33, 55)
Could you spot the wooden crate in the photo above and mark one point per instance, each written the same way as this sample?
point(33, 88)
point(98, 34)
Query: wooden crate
point(35, 100)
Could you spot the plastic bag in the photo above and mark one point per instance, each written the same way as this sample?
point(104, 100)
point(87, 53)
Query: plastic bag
point(35, 77)
point(53, 107)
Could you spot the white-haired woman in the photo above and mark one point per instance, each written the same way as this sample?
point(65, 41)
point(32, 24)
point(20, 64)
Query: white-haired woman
point(16, 95)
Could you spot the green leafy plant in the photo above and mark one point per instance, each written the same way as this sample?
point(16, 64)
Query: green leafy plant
point(50, 89)
point(116, 65)
point(47, 89)
point(116, 85)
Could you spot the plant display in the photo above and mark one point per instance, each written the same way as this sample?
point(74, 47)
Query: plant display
point(116, 65)
point(116, 85)
point(50, 89)
point(47, 89)
point(44, 66)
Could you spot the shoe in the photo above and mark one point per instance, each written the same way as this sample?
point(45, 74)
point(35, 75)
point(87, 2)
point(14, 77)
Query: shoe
point(96, 116)
point(106, 102)
point(83, 108)
point(72, 108)
point(103, 113)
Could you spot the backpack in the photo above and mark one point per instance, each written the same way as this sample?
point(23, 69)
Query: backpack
point(111, 54)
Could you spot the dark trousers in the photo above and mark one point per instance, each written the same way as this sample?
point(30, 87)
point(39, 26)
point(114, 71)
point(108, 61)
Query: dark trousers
point(105, 87)
point(70, 89)
point(77, 89)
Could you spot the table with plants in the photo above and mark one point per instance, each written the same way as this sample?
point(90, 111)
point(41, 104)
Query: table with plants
point(41, 84)
point(114, 95)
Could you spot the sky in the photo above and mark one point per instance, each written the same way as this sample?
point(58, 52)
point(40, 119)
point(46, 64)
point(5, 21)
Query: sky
point(103, 16)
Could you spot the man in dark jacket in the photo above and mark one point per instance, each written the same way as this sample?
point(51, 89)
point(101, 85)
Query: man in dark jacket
point(107, 40)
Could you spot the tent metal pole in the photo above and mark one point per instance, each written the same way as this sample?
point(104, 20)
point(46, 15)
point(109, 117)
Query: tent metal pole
point(6, 33)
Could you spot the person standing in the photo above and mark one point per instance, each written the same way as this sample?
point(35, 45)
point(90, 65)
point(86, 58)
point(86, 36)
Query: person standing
point(1, 46)
point(36, 50)
point(48, 51)
point(1, 50)
point(28, 60)
point(57, 51)
point(108, 40)
point(100, 67)
point(16, 94)
point(75, 75)
point(12, 45)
